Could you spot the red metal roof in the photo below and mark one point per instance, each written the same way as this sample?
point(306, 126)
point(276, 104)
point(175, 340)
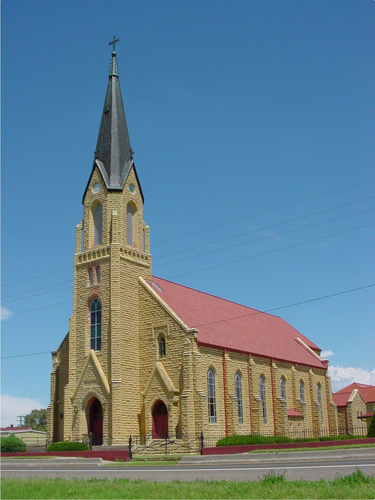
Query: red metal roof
point(366, 391)
point(366, 415)
point(12, 428)
point(294, 414)
point(224, 324)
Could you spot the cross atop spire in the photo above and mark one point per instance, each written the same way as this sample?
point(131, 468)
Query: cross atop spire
point(114, 44)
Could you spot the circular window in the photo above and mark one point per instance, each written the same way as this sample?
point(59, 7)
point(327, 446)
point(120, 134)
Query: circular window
point(131, 188)
point(96, 187)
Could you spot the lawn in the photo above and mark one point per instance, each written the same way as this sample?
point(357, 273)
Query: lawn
point(271, 486)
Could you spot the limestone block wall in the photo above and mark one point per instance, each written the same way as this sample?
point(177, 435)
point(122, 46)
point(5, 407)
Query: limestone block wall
point(356, 407)
point(59, 379)
point(178, 362)
point(237, 363)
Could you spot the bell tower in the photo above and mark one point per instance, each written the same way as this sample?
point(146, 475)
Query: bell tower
point(112, 253)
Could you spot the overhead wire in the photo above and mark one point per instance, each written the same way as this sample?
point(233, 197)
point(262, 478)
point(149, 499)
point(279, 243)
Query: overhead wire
point(253, 312)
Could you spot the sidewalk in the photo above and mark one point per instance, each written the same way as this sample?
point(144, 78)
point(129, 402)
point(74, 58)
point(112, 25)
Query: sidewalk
point(280, 456)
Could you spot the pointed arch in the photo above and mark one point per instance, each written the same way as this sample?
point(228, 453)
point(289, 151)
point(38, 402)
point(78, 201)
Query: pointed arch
point(94, 412)
point(96, 325)
point(130, 217)
point(98, 224)
point(262, 393)
point(301, 390)
point(283, 387)
point(211, 392)
point(159, 420)
point(238, 390)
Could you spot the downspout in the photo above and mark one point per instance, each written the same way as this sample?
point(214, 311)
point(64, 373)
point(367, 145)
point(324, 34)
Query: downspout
point(346, 418)
point(273, 400)
point(225, 395)
point(327, 396)
point(249, 382)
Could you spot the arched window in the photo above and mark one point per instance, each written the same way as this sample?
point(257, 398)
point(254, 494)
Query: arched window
point(262, 393)
point(302, 391)
point(283, 387)
point(91, 277)
point(98, 275)
point(129, 225)
point(211, 390)
point(161, 346)
point(238, 389)
point(98, 220)
point(95, 325)
point(319, 395)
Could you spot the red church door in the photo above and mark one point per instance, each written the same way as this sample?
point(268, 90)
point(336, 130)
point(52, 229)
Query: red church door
point(159, 421)
point(96, 422)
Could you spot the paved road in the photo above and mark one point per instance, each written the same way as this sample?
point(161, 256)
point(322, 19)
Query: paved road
point(301, 465)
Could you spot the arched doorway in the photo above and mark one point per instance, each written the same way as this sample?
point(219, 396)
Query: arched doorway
point(159, 421)
point(95, 417)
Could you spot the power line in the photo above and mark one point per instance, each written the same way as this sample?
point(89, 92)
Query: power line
point(294, 304)
point(264, 228)
point(42, 307)
point(36, 295)
point(38, 276)
point(228, 262)
point(25, 355)
point(36, 290)
point(212, 227)
point(263, 212)
point(210, 252)
point(323, 297)
point(268, 252)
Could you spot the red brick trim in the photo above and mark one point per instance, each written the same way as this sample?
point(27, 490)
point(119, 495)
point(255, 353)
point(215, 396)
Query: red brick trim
point(111, 455)
point(229, 450)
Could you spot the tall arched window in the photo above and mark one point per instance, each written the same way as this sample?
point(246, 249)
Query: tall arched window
point(283, 387)
point(262, 393)
point(95, 325)
point(98, 221)
point(238, 389)
point(129, 225)
point(161, 346)
point(302, 391)
point(98, 275)
point(91, 277)
point(319, 395)
point(211, 390)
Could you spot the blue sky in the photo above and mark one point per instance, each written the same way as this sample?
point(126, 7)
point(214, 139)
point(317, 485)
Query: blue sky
point(252, 124)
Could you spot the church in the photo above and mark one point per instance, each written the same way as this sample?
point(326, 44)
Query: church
point(148, 357)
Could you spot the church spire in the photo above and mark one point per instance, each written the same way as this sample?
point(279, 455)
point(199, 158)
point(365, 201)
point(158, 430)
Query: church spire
point(114, 155)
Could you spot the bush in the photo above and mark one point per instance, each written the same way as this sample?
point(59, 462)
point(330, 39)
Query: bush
point(12, 444)
point(67, 446)
point(255, 439)
point(371, 429)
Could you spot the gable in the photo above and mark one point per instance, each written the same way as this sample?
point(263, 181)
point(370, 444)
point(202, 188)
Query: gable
point(92, 371)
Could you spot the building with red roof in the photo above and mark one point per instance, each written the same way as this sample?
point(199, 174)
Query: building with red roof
point(148, 357)
point(355, 407)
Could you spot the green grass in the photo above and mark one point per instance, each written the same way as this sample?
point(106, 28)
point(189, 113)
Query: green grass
point(319, 448)
point(271, 486)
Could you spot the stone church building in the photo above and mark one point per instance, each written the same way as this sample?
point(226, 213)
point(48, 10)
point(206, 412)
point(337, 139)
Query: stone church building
point(148, 357)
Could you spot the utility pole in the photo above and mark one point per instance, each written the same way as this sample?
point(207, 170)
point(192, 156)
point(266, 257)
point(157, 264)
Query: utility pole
point(20, 419)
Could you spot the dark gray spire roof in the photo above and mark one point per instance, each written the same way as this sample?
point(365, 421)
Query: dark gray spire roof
point(114, 155)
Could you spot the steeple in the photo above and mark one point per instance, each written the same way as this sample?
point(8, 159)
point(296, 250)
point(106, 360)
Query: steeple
point(113, 155)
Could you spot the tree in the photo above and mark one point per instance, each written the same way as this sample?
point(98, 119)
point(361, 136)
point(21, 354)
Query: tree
point(37, 419)
point(371, 429)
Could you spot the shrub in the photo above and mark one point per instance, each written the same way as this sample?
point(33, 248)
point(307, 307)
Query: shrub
point(371, 429)
point(67, 446)
point(12, 444)
point(255, 439)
